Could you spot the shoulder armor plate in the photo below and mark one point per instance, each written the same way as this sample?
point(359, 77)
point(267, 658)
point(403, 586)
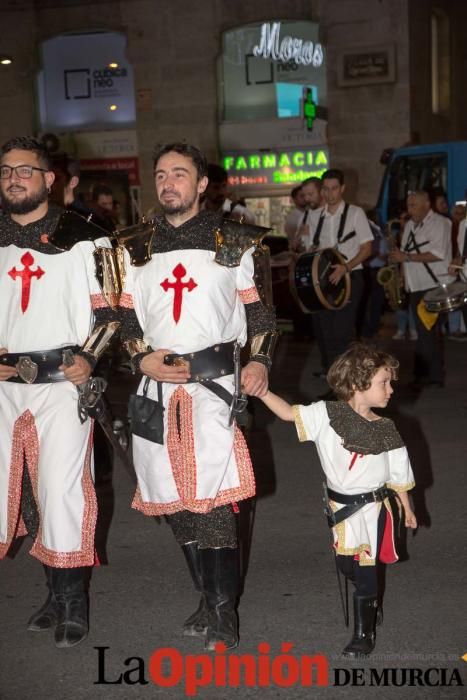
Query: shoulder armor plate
point(138, 242)
point(234, 238)
point(74, 228)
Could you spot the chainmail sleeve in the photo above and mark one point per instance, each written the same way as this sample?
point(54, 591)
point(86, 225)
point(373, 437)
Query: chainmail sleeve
point(131, 333)
point(260, 317)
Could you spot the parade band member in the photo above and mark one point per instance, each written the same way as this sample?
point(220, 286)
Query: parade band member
point(215, 196)
point(345, 227)
point(296, 215)
point(365, 462)
point(50, 300)
point(183, 312)
point(311, 189)
point(425, 254)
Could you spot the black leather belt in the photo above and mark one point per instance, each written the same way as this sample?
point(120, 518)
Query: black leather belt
point(37, 367)
point(210, 363)
point(353, 503)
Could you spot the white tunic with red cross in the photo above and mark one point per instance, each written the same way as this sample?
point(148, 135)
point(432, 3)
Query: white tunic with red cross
point(47, 302)
point(186, 302)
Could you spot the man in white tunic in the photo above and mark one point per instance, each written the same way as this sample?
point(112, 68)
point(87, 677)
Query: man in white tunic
point(184, 311)
point(50, 300)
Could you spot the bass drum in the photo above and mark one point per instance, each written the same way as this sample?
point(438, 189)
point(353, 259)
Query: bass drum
point(447, 297)
point(310, 283)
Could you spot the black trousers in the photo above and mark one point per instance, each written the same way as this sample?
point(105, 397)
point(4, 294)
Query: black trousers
point(428, 360)
point(334, 329)
point(365, 578)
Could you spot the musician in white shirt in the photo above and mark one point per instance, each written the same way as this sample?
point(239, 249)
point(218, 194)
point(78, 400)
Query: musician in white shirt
point(296, 215)
point(345, 227)
point(425, 254)
point(311, 192)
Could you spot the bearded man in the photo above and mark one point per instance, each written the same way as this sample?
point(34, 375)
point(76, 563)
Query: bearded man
point(186, 307)
point(50, 302)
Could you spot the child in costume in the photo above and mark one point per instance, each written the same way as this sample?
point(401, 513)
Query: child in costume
point(365, 462)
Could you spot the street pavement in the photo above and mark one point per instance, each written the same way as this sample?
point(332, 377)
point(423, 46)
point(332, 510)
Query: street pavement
point(142, 592)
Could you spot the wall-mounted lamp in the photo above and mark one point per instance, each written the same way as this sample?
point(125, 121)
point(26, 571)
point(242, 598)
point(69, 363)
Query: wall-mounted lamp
point(5, 60)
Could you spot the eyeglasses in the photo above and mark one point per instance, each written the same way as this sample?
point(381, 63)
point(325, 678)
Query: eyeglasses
point(24, 172)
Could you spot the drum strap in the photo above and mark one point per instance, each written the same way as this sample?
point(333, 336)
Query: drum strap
point(413, 245)
point(317, 235)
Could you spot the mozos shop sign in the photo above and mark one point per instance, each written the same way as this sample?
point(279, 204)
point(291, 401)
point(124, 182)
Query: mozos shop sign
point(287, 48)
point(273, 102)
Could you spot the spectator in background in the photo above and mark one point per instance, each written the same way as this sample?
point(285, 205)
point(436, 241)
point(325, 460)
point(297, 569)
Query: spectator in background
point(216, 199)
point(66, 170)
point(102, 202)
point(439, 202)
point(295, 216)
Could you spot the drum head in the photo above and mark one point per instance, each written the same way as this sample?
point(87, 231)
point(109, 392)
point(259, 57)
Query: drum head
point(448, 297)
point(311, 285)
point(332, 296)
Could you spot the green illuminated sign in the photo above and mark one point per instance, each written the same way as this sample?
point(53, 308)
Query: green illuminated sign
point(309, 110)
point(266, 169)
point(269, 161)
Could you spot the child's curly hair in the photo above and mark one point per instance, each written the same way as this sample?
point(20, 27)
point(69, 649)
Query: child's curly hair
point(355, 368)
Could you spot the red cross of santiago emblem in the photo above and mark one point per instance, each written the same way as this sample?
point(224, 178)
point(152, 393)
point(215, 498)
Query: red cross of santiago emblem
point(26, 275)
point(178, 286)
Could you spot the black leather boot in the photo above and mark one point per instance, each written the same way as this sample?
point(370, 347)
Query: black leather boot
point(364, 636)
point(72, 601)
point(197, 624)
point(46, 617)
point(220, 576)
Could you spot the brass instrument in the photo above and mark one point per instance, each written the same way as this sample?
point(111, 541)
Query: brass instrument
point(389, 276)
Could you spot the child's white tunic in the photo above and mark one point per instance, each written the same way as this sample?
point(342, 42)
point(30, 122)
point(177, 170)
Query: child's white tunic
point(352, 473)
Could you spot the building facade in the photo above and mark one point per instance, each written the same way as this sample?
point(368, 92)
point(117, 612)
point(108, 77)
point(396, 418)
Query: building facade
point(392, 67)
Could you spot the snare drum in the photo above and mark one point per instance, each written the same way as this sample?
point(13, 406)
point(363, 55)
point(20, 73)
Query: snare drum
point(446, 297)
point(310, 281)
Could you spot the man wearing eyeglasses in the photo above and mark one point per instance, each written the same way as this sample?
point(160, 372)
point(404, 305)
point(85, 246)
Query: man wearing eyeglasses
point(50, 299)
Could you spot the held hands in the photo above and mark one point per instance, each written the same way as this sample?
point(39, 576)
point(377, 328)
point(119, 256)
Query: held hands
point(153, 366)
point(254, 379)
point(79, 372)
point(6, 371)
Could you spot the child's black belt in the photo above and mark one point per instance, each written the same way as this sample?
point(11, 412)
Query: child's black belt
point(355, 502)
